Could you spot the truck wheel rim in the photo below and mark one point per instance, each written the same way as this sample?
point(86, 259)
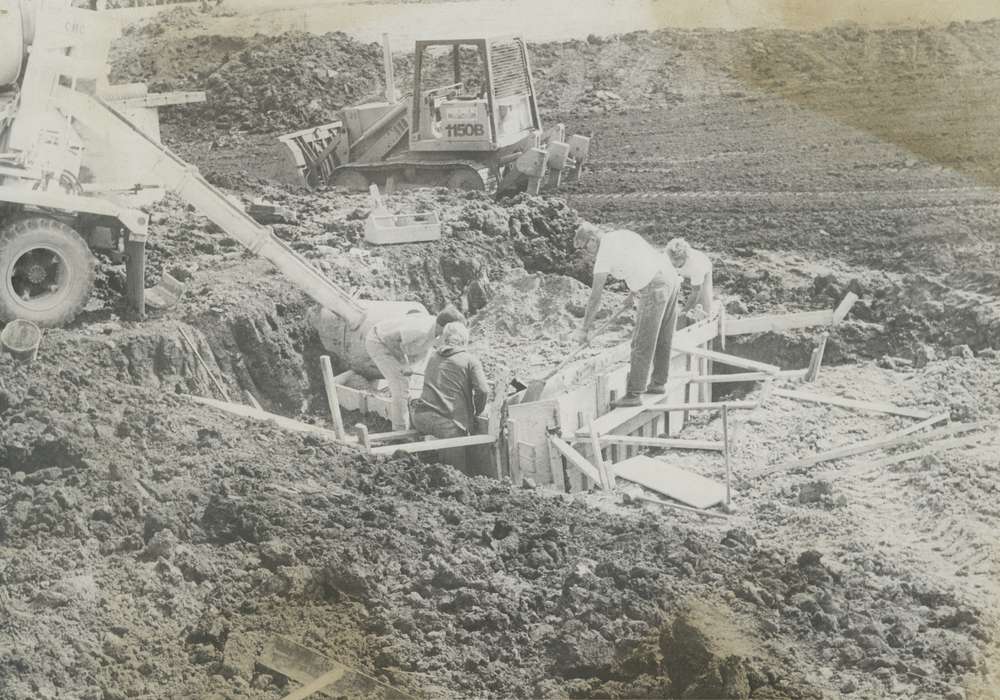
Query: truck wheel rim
point(39, 278)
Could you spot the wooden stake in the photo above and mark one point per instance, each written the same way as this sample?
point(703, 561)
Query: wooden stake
point(363, 440)
point(725, 449)
point(844, 308)
point(816, 360)
point(331, 397)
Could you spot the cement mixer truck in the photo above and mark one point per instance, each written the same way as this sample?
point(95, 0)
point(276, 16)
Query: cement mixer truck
point(74, 151)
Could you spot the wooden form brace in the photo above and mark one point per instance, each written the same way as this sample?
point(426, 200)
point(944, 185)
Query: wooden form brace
point(785, 322)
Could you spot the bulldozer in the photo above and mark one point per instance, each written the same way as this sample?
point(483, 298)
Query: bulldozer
point(76, 156)
point(470, 123)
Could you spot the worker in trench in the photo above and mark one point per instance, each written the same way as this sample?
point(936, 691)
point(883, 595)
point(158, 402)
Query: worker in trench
point(651, 277)
point(454, 393)
point(696, 267)
point(399, 347)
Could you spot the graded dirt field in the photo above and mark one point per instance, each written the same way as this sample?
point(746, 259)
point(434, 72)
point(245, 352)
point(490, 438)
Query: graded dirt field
point(151, 547)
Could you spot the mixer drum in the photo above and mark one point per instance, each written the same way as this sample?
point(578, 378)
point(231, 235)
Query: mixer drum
point(11, 42)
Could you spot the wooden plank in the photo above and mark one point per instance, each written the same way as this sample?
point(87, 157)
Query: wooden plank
point(843, 402)
point(679, 484)
point(513, 453)
point(933, 448)
point(778, 322)
point(671, 443)
point(316, 685)
point(699, 406)
point(881, 443)
point(731, 360)
point(392, 435)
point(734, 377)
point(575, 477)
point(331, 397)
point(281, 421)
point(617, 417)
point(429, 445)
point(575, 458)
point(844, 308)
point(607, 478)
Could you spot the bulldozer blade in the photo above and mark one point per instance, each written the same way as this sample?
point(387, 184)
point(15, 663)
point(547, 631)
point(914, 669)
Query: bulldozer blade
point(165, 294)
point(305, 665)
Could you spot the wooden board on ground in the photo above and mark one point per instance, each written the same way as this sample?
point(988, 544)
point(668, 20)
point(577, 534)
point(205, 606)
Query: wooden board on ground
point(305, 665)
point(280, 421)
point(679, 484)
point(844, 402)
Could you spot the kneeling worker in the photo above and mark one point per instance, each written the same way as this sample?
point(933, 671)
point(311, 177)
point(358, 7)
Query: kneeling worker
point(455, 392)
point(398, 347)
point(627, 256)
point(697, 268)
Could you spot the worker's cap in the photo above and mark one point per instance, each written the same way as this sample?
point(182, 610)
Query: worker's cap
point(449, 314)
point(455, 333)
point(678, 247)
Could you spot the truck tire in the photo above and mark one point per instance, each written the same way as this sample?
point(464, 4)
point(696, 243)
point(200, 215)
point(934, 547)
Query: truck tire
point(46, 271)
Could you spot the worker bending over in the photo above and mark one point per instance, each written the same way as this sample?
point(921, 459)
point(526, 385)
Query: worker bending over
point(455, 392)
point(697, 268)
point(648, 274)
point(398, 347)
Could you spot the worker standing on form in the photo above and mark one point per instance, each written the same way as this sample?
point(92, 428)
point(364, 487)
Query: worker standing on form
point(399, 347)
point(697, 268)
point(625, 255)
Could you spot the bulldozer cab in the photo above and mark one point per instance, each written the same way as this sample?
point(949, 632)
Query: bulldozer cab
point(472, 95)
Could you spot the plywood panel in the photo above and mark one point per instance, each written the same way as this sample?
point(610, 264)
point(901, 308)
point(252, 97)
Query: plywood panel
point(679, 484)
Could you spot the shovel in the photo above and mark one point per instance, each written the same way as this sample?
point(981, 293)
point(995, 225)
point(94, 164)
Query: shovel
point(165, 294)
point(537, 386)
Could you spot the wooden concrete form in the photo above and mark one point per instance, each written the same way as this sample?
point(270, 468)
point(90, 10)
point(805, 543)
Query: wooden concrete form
point(572, 411)
point(570, 437)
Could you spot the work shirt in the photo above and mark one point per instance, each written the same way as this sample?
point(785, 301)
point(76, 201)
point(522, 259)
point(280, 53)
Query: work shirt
point(696, 268)
point(625, 255)
point(454, 382)
point(411, 335)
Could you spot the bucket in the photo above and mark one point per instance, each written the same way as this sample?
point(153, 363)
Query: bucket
point(21, 338)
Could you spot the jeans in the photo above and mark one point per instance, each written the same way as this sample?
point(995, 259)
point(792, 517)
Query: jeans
point(399, 385)
point(430, 422)
point(653, 336)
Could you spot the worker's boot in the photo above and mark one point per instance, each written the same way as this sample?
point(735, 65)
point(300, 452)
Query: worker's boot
point(629, 399)
point(656, 389)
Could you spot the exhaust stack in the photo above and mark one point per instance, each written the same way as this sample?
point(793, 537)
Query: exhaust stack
point(390, 81)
